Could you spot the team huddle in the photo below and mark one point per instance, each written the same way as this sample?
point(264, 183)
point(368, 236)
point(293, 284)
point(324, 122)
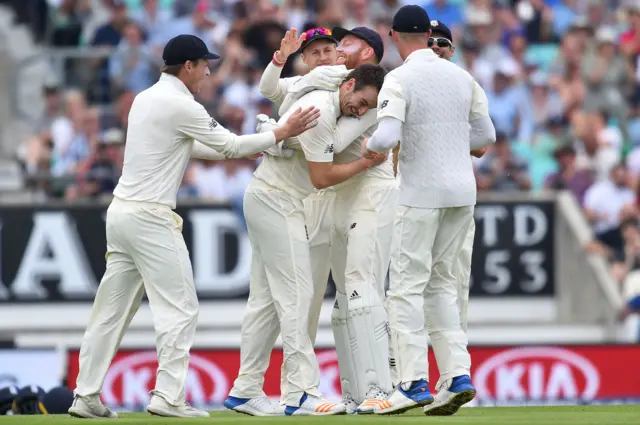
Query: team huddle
point(326, 198)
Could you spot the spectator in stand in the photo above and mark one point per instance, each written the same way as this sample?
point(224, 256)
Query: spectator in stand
point(500, 169)
point(601, 143)
point(607, 204)
point(569, 177)
point(510, 105)
point(69, 160)
point(607, 74)
point(358, 13)
point(52, 109)
point(564, 14)
point(444, 11)
point(133, 66)
point(108, 35)
point(151, 18)
point(630, 39)
point(198, 23)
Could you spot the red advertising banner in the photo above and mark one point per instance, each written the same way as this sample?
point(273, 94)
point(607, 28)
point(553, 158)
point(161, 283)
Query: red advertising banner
point(502, 375)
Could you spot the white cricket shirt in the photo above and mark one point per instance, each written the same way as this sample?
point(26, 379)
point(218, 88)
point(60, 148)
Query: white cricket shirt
point(291, 175)
point(435, 100)
point(164, 121)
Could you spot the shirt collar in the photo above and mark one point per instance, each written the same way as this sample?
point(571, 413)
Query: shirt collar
point(424, 53)
point(175, 83)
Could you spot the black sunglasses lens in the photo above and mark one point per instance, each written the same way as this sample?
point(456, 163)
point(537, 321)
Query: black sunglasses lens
point(430, 42)
point(442, 43)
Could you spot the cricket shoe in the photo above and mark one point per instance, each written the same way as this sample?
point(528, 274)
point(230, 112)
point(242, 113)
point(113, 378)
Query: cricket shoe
point(159, 407)
point(350, 404)
point(315, 406)
point(406, 397)
point(376, 398)
point(256, 406)
point(90, 407)
point(453, 394)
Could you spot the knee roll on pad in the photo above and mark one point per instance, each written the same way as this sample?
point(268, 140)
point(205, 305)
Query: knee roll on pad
point(368, 327)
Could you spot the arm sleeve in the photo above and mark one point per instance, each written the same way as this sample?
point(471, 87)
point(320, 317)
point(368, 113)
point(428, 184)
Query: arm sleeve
point(201, 151)
point(479, 103)
point(349, 129)
point(195, 122)
point(386, 136)
point(272, 86)
point(482, 132)
point(391, 100)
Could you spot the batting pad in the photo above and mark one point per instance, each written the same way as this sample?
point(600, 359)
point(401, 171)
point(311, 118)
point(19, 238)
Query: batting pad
point(369, 339)
point(343, 349)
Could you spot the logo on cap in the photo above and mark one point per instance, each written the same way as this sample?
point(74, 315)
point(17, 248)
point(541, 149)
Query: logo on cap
point(435, 23)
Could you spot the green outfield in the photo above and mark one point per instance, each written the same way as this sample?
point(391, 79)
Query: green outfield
point(566, 415)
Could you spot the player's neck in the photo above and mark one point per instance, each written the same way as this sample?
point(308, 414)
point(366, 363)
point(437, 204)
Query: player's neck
point(410, 48)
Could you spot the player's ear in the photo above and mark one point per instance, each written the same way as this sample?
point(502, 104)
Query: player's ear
point(366, 53)
point(350, 84)
point(453, 50)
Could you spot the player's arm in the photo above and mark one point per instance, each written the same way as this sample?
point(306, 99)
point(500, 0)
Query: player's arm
point(317, 145)
point(201, 151)
point(482, 132)
point(395, 152)
point(392, 109)
point(271, 85)
point(193, 121)
point(321, 78)
point(350, 128)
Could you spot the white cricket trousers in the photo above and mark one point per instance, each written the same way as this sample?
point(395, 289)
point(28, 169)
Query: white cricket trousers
point(145, 253)
point(424, 290)
point(281, 290)
point(464, 274)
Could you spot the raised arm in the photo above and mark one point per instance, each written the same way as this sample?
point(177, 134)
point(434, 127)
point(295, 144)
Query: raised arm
point(195, 122)
point(392, 108)
point(272, 86)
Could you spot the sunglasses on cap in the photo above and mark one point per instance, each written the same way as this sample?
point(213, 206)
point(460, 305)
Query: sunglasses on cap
point(439, 41)
point(315, 32)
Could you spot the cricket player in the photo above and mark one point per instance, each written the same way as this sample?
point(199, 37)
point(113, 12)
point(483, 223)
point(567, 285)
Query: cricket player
point(145, 248)
point(281, 288)
point(360, 247)
point(430, 104)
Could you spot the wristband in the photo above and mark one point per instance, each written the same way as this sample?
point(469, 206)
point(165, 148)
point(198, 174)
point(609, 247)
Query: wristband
point(276, 62)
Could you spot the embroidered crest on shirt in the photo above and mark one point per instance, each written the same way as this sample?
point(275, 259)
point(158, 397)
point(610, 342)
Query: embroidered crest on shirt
point(213, 124)
point(328, 148)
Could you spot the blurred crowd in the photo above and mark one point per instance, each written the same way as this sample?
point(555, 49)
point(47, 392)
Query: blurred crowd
point(562, 77)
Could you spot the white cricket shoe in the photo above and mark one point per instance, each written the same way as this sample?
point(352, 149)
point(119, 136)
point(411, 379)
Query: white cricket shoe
point(452, 394)
point(349, 403)
point(375, 399)
point(405, 397)
point(90, 407)
point(256, 406)
point(159, 407)
point(315, 406)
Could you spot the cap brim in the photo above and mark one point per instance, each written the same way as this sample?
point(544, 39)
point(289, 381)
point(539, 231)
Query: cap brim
point(339, 33)
point(211, 56)
point(306, 43)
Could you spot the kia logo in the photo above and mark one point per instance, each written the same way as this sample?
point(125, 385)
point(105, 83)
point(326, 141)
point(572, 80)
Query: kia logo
point(537, 373)
point(131, 378)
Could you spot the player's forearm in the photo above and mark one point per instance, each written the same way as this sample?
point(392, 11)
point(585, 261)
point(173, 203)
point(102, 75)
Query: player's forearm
point(200, 151)
point(482, 133)
point(339, 173)
point(250, 144)
point(349, 129)
point(271, 86)
point(386, 136)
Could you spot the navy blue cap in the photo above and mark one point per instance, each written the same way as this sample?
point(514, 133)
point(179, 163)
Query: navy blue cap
point(411, 19)
point(186, 47)
point(369, 36)
point(7, 396)
point(58, 400)
point(439, 27)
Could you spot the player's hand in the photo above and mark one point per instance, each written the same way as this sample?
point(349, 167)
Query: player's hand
point(301, 121)
point(366, 153)
point(290, 44)
point(321, 78)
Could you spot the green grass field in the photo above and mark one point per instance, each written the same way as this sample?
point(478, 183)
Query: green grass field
point(565, 415)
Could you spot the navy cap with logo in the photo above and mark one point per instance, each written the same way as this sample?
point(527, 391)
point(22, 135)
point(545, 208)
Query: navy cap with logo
point(439, 27)
point(411, 19)
point(369, 36)
point(186, 47)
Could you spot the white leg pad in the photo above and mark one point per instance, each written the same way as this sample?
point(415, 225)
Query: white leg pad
point(343, 348)
point(369, 337)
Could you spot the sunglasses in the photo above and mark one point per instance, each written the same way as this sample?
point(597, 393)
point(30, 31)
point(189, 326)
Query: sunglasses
point(439, 41)
point(314, 32)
